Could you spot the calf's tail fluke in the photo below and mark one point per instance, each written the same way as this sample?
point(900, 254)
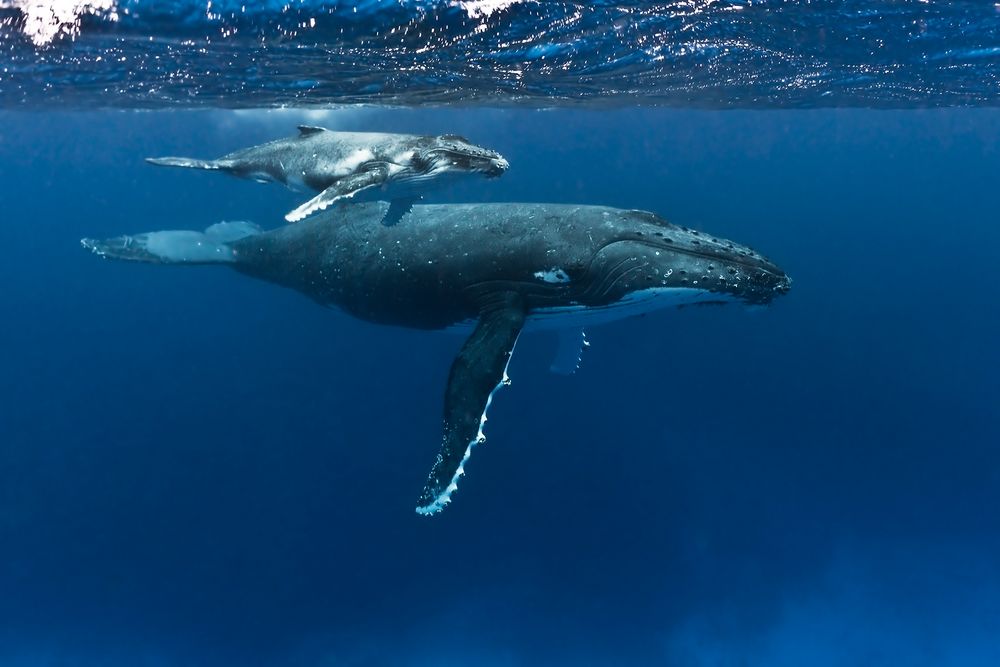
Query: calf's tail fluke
point(175, 246)
point(188, 162)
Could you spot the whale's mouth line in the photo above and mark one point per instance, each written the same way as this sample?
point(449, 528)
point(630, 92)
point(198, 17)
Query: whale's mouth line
point(491, 164)
point(739, 261)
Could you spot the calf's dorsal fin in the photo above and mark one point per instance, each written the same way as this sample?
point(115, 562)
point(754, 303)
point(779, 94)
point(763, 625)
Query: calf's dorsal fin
point(477, 372)
point(309, 130)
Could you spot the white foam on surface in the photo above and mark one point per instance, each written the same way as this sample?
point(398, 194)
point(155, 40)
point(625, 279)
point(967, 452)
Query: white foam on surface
point(44, 21)
point(483, 8)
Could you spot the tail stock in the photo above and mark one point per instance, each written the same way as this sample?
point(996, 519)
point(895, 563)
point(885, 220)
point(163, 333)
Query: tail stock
point(187, 162)
point(175, 246)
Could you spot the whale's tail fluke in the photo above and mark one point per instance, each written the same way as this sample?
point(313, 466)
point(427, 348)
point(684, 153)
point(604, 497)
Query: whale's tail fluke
point(177, 246)
point(187, 162)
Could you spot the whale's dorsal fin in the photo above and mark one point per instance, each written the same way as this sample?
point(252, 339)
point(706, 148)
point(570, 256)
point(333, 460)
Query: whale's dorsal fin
point(477, 372)
point(309, 130)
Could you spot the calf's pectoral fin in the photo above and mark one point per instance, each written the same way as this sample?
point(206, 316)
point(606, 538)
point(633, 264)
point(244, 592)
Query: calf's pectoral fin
point(477, 372)
point(343, 189)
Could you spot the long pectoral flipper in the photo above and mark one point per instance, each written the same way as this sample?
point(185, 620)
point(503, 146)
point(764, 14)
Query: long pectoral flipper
point(343, 189)
point(477, 372)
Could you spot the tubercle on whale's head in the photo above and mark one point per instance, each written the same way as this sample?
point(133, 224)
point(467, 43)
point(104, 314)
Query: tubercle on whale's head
point(451, 151)
point(660, 255)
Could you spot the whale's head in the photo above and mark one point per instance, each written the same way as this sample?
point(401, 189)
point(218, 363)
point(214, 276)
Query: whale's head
point(647, 264)
point(655, 259)
point(452, 153)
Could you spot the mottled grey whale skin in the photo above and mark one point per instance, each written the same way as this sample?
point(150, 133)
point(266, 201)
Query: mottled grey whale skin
point(500, 268)
point(355, 166)
point(436, 272)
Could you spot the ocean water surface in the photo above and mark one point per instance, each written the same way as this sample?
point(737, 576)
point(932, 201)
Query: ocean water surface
point(197, 468)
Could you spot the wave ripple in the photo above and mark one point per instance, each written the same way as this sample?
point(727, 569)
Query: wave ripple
point(314, 53)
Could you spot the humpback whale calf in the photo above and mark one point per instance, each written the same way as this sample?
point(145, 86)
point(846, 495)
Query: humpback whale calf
point(355, 166)
point(496, 268)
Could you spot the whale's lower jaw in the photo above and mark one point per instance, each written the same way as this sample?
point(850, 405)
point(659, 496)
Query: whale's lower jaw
point(635, 304)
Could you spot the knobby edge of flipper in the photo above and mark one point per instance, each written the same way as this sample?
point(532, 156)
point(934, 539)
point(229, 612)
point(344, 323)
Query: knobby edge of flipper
point(342, 190)
point(478, 371)
point(569, 351)
point(397, 209)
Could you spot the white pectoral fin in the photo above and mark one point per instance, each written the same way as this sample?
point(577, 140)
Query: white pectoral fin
point(478, 371)
point(342, 190)
point(569, 351)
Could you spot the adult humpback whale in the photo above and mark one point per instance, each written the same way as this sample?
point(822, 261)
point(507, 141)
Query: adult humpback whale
point(500, 268)
point(355, 166)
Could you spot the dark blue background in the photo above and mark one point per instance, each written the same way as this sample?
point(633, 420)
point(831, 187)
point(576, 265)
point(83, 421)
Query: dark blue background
point(198, 469)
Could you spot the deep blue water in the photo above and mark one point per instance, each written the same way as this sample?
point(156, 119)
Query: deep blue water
point(200, 469)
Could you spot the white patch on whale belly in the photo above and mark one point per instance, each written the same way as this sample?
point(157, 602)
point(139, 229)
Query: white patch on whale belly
point(396, 169)
point(355, 159)
point(403, 159)
point(553, 275)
